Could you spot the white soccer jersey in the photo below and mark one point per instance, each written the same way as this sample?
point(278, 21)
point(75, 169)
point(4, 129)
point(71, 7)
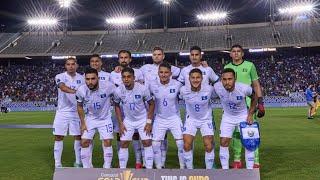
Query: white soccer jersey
point(116, 79)
point(150, 72)
point(197, 103)
point(132, 101)
point(67, 101)
point(104, 77)
point(233, 103)
point(96, 104)
point(207, 72)
point(166, 98)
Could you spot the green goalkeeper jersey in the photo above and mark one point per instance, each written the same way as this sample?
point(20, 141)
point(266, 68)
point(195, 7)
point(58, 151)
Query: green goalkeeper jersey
point(245, 72)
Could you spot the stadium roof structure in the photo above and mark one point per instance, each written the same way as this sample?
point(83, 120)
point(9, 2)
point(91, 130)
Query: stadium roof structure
point(174, 40)
point(91, 14)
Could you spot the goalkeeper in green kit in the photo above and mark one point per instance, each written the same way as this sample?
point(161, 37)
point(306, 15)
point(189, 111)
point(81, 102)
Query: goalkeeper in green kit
point(246, 73)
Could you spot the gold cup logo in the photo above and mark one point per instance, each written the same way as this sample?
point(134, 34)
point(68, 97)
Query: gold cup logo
point(126, 175)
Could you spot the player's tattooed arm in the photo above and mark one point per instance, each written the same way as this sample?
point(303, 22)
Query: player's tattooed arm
point(253, 105)
point(66, 89)
point(118, 112)
point(81, 116)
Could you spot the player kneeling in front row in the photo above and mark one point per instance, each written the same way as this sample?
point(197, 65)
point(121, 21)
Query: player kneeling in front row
point(167, 115)
point(94, 101)
point(232, 95)
point(132, 97)
point(197, 97)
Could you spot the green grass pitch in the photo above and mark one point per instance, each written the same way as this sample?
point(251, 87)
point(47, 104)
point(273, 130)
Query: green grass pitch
point(290, 147)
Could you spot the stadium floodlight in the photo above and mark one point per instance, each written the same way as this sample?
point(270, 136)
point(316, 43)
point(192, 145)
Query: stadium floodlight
point(42, 21)
point(120, 21)
point(212, 16)
point(65, 3)
point(298, 9)
point(166, 2)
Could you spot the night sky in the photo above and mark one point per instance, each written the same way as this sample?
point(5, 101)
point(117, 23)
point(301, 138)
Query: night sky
point(91, 14)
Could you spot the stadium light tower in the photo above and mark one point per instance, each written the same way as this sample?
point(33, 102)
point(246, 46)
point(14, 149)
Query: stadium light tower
point(296, 9)
point(166, 5)
point(66, 4)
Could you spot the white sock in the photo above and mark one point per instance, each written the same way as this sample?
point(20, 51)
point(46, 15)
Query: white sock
point(91, 145)
point(148, 154)
point(77, 150)
point(107, 156)
point(157, 153)
point(123, 157)
point(137, 150)
point(224, 157)
point(188, 159)
point(57, 152)
point(164, 149)
point(249, 159)
point(143, 155)
point(209, 158)
point(85, 157)
point(180, 153)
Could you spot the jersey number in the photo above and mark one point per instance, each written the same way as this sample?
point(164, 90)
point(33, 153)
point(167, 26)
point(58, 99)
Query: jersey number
point(109, 128)
point(197, 107)
point(232, 106)
point(164, 102)
point(132, 106)
point(96, 106)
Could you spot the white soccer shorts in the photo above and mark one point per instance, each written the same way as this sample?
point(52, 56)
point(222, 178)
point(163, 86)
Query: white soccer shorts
point(229, 124)
point(105, 132)
point(192, 125)
point(160, 127)
point(131, 127)
point(64, 121)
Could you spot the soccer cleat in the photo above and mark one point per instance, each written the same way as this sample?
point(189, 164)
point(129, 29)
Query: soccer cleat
point(237, 165)
point(77, 165)
point(310, 117)
point(256, 166)
point(138, 166)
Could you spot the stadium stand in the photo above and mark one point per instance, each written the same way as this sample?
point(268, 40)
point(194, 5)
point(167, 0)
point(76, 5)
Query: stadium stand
point(210, 38)
point(32, 44)
point(281, 76)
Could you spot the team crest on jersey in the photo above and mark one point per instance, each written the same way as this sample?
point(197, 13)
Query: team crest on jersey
point(137, 96)
point(78, 81)
point(239, 98)
point(204, 73)
point(102, 78)
point(172, 90)
point(204, 97)
point(244, 70)
point(58, 80)
point(103, 95)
